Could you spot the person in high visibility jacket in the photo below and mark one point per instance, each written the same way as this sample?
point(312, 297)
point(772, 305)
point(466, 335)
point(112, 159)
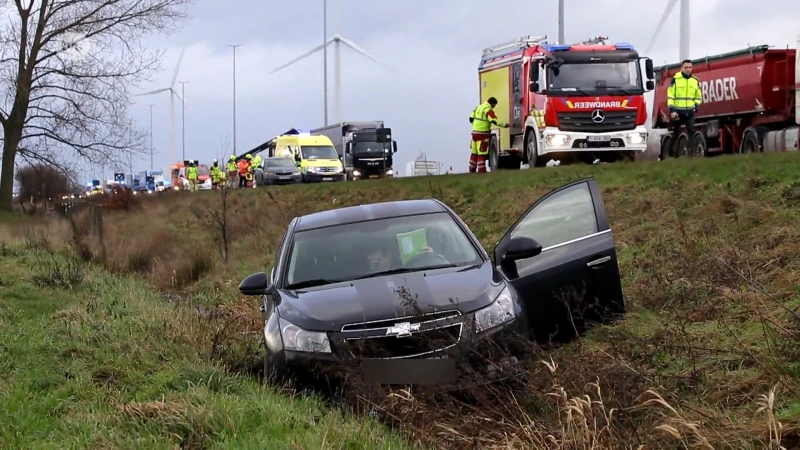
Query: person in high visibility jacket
point(191, 175)
point(216, 175)
point(256, 164)
point(482, 119)
point(683, 99)
point(231, 168)
point(244, 167)
point(250, 179)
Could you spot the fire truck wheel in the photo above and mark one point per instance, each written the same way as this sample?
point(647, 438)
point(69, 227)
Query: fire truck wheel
point(531, 150)
point(750, 142)
point(494, 154)
point(699, 145)
point(666, 143)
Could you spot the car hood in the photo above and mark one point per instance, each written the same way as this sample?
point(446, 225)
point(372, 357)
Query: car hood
point(281, 169)
point(323, 163)
point(328, 308)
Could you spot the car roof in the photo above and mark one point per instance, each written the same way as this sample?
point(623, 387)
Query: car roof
point(363, 213)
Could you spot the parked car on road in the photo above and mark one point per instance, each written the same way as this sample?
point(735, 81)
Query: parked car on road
point(278, 170)
point(405, 281)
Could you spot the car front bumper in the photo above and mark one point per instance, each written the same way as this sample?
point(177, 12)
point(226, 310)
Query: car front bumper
point(474, 353)
point(557, 141)
point(282, 179)
point(321, 177)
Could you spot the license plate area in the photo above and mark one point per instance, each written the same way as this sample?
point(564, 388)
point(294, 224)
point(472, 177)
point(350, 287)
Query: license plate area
point(598, 138)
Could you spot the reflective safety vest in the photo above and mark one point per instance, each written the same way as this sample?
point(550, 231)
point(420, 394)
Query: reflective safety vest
point(231, 166)
point(481, 123)
point(191, 173)
point(216, 174)
point(256, 161)
point(243, 167)
point(684, 94)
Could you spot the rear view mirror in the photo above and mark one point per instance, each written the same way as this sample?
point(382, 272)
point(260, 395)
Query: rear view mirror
point(394, 147)
point(650, 85)
point(648, 68)
point(348, 148)
point(534, 72)
point(533, 86)
point(255, 284)
point(297, 157)
point(521, 248)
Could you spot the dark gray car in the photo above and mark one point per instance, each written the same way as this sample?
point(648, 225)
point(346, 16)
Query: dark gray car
point(278, 170)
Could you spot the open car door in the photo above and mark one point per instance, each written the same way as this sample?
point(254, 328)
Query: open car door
point(561, 259)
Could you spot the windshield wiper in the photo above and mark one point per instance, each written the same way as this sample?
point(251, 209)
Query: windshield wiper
point(571, 89)
point(618, 88)
point(406, 270)
point(312, 283)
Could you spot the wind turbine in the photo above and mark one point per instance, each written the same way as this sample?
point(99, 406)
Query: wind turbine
point(337, 40)
point(684, 27)
point(172, 94)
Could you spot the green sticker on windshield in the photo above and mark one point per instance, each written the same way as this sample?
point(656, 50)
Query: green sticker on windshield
point(411, 243)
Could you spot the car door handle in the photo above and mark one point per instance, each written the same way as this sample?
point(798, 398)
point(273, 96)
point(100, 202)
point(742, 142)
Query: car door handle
point(598, 262)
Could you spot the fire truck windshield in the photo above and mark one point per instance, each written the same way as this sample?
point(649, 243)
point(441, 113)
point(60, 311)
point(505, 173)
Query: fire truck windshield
point(609, 78)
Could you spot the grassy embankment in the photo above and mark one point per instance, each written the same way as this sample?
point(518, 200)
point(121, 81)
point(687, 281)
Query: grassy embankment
point(710, 258)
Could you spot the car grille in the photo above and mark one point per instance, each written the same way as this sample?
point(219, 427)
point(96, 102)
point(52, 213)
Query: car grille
point(326, 169)
point(420, 343)
point(419, 318)
point(283, 173)
point(582, 121)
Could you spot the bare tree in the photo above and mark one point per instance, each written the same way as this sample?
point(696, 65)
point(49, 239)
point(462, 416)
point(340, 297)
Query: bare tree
point(67, 66)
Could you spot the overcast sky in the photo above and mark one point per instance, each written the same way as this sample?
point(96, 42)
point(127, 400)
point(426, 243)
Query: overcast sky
point(434, 46)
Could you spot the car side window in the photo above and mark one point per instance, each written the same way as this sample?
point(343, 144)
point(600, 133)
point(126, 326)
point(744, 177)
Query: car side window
point(564, 216)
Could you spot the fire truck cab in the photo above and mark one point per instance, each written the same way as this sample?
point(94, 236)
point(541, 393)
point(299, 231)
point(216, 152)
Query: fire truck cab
point(582, 101)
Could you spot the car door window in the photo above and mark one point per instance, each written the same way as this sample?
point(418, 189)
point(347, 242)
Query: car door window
point(566, 215)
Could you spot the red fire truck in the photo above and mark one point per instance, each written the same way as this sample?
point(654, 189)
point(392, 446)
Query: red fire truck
point(751, 103)
point(565, 102)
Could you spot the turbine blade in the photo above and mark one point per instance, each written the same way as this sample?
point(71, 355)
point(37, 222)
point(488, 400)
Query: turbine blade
point(667, 11)
point(364, 53)
point(175, 93)
point(157, 91)
point(177, 68)
point(304, 55)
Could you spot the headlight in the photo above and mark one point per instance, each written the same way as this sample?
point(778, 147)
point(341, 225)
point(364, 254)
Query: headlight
point(636, 138)
point(299, 340)
point(339, 170)
point(356, 173)
point(557, 140)
point(499, 312)
point(149, 192)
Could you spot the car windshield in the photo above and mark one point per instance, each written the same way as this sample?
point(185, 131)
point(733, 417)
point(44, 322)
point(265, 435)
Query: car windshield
point(371, 147)
point(361, 250)
point(594, 78)
point(202, 170)
point(319, 152)
point(278, 162)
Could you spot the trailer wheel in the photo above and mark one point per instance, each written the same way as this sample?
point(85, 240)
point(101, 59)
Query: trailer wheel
point(683, 146)
point(494, 154)
point(699, 145)
point(750, 142)
point(666, 147)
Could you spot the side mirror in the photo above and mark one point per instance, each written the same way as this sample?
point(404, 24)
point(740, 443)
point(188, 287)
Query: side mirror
point(348, 148)
point(297, 157)
point(521, 248)
point(255, 284)
point(534, 72)
point(650, 85)
point(648, 68)
point(533, 86)
point(394, 147)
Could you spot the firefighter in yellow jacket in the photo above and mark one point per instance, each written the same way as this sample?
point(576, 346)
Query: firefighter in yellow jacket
point(232, 170)
point(482, 119)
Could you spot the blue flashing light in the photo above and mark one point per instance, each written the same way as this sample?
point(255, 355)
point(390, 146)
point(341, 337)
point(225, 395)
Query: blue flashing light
point(556, 48)
point(623, 46)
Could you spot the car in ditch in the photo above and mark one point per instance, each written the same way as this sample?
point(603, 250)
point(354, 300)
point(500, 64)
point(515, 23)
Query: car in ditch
point(405, 290)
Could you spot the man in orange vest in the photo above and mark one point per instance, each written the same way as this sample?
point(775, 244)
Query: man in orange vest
point(244, 167)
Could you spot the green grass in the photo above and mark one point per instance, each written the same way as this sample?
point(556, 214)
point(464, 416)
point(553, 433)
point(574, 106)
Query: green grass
point(110, 364)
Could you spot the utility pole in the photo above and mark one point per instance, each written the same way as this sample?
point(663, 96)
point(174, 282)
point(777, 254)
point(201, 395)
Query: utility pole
point(233, 46)
point(325, 58)
point(183, 118)
point(152, 150)
point(561, 39)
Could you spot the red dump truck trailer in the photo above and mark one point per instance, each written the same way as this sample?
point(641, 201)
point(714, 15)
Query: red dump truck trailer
point(751, 103)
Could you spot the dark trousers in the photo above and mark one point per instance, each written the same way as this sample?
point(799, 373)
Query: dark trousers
point(242, 181)
point(684, 119)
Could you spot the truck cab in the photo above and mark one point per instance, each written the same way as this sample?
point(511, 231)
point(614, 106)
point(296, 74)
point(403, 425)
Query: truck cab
point(583, 101)
point(370, 153)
